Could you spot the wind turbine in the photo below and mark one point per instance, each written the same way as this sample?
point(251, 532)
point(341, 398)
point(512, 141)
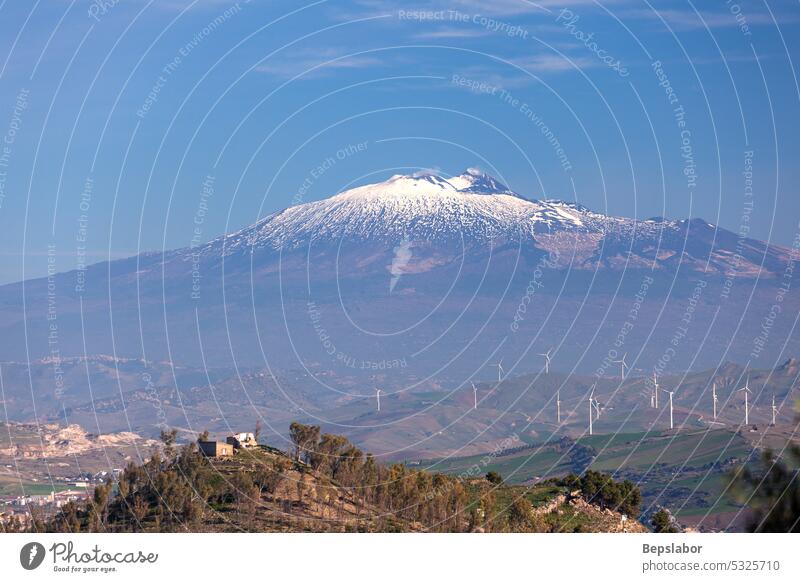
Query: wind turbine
point(774, 410)
point(558, 406)
point(714, 398)
point(546, 357)
point(746, 391)
point(591, 412)
point(622, 365)
point(378, 398)
point(655, 389)
point(499, 370)
point(671, 423)
point(475, 395)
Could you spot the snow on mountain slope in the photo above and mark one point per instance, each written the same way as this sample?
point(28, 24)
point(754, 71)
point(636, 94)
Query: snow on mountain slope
point(471, 207)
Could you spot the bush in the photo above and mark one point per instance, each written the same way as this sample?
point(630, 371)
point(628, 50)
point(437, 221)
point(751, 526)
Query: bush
point(663, 522)
point(602, 490)
point(494, 478)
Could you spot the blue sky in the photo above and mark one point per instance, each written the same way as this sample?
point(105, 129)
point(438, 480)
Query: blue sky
point(128, 125)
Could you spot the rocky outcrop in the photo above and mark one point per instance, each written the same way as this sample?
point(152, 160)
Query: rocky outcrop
point(51, 440)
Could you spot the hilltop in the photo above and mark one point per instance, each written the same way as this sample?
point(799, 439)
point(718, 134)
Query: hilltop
point(328, 485)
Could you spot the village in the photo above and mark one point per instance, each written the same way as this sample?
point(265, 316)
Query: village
point(80, 487)
point(62, 491)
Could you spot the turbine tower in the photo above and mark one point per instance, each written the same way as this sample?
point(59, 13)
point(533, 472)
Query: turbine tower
point(591, 412)
point(546, 357)
point(746, 391)
point(655, 389)
point(558, 406)
point(671, 422)
point(475, 396)
point(499, 370)
point(622, 365)
point(714, 398)
point(774, 410)
point(378, 398)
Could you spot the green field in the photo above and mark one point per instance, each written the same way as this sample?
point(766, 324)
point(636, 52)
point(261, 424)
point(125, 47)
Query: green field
point(10, 487)
point(517, 467)
point(691, 450)
point(712, 495)
point(688, 472)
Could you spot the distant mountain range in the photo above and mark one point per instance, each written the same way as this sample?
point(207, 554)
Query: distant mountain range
point(435, 420)
point(424, 280)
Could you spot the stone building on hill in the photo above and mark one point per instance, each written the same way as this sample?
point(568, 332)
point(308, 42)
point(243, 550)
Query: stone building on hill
point(215, 448)
point(243, 440)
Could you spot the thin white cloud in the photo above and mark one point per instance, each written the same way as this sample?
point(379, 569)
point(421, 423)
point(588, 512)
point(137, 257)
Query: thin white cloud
point(689, 20)
point(549, 63)
point(314, 63)
point(512, 78)
point(493, 8)
point(519, 7)
point(446, 33)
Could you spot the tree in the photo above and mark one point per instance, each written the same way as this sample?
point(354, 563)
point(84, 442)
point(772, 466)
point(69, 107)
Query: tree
point(487, 510)
point(494, 478)
point(168, 437)
point(663, 522)
point(369, 478)
point(305, 439)
point(246, 494)
point(67, 520)
point(629, 498)
point(177, 505)
point(99, 506)
point(12, 525)
point(257, 431)
point(326, 456)
point(773, 494)
point(267, 479)
point(139, 509)
point(519, 515)
point(302, 486)
point(37, 524)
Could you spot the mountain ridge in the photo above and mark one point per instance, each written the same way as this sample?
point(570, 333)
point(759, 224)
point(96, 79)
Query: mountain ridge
point(414, 197)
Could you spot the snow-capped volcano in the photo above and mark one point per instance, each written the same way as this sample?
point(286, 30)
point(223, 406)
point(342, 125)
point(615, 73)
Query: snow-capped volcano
point(474, 213)
point(471, 207)
point(457, 261)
